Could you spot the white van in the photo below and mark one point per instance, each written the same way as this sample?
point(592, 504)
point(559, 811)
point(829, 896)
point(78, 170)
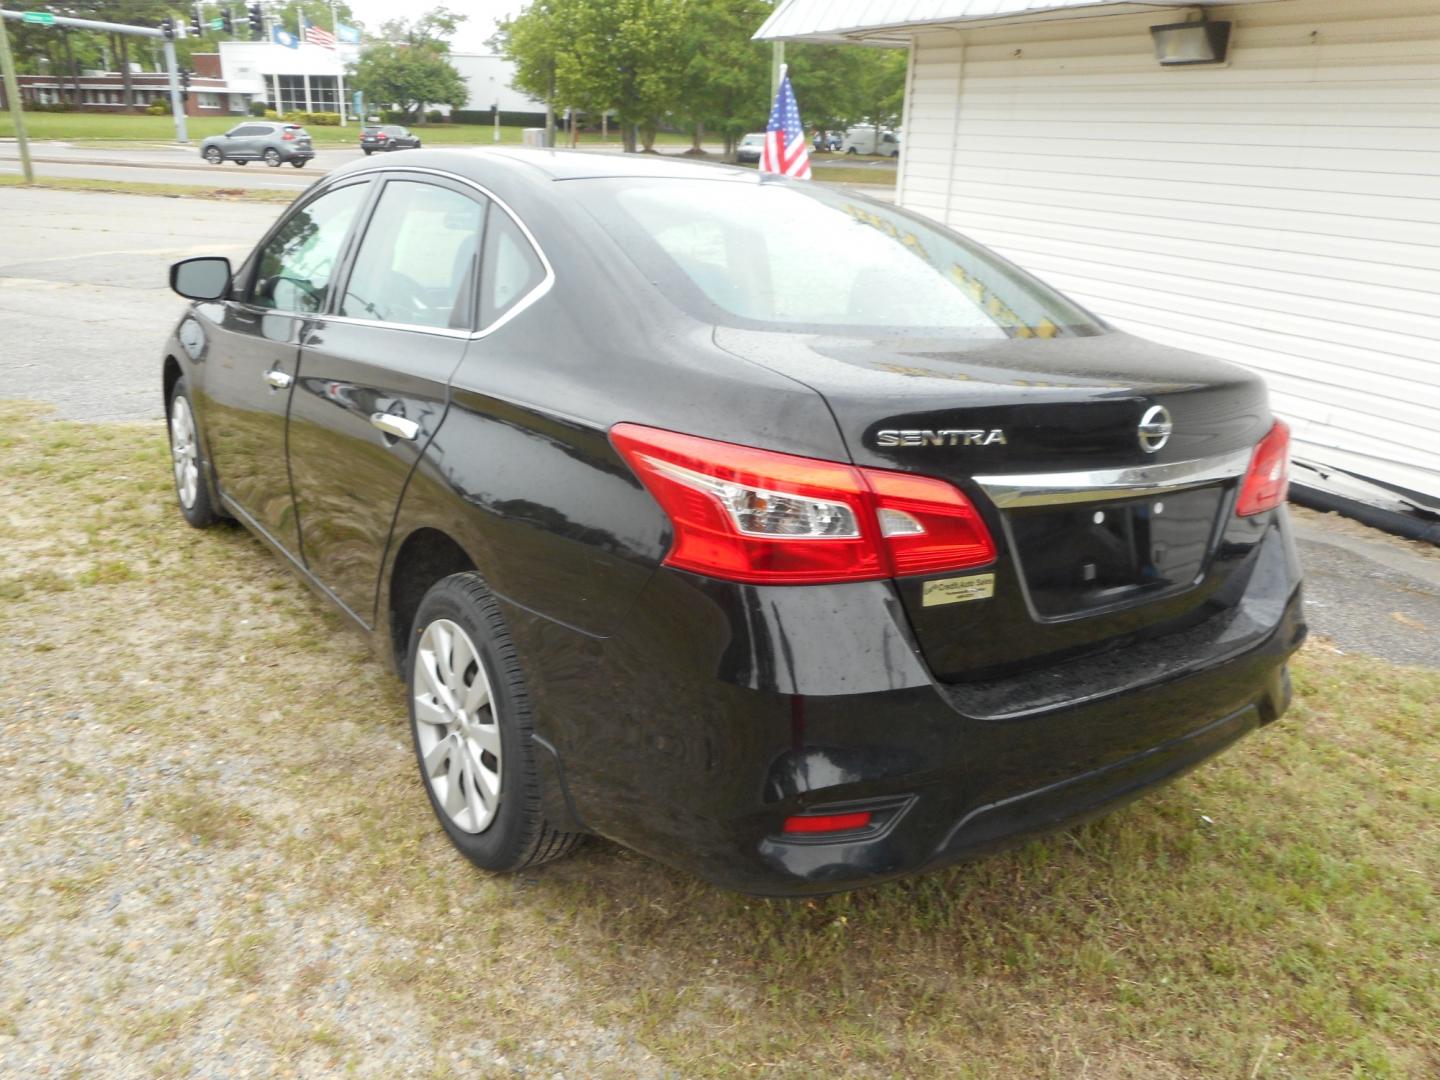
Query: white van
point(862, 139)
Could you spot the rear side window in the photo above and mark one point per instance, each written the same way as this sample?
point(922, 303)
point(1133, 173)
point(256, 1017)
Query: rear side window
point(296, 265)
point(416, 263)
point(245, 130)
point(512, 269)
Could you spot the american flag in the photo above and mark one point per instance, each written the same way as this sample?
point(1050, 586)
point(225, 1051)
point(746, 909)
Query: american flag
point(316, 35)
point(785, 150)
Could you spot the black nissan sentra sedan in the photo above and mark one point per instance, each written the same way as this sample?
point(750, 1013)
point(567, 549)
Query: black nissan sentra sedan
point(772, 531)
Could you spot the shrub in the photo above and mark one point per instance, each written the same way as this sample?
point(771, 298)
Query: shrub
point(434, 116)
point(158, 107)
point(259, 108)
point(394, 116)
point(313, 119)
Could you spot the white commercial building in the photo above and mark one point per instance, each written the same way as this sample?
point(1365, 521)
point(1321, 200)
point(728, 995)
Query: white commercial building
point(308, 78)
point(488, 76)
point(1280, 209)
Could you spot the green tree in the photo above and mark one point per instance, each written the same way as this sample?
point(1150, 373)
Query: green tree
point(605, 54)
point(839, 85)
point(725, 82)
point(533, 42)
point(408, 78)
point(432, 30)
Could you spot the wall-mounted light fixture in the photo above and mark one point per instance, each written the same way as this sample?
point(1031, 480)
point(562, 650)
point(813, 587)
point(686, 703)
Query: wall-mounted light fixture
point(1191, 43)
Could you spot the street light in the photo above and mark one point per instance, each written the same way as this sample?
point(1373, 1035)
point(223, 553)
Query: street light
point(496, 108)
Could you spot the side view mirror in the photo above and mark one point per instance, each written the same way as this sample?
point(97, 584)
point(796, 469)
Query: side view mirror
point(205, 278)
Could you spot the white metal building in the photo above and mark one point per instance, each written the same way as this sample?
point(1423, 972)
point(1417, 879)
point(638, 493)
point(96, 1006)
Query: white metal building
point(488, 76)
point(1281, 209)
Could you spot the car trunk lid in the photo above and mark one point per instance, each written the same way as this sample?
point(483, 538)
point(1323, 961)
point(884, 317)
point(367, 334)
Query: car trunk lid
point(1099, 538)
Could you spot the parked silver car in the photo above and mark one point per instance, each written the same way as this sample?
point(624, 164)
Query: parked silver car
point(271, 141)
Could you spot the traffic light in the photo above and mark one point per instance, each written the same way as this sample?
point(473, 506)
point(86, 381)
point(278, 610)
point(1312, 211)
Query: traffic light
point(167, 27)
point(227, 20)
point(185, 74)
point(196, 30)
point(257, 21)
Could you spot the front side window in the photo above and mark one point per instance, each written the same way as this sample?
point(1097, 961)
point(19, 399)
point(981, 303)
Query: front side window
point(416, 263)
point(296, 264)
point(791, 256)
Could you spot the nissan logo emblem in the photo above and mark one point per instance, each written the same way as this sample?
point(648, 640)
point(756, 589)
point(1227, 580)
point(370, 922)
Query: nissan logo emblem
point(1155, 428)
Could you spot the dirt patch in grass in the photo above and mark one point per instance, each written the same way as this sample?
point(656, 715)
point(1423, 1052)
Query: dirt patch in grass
point(215, 856)
point(139, 187)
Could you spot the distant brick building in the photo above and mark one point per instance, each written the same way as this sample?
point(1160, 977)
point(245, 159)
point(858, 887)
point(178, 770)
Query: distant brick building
point(104, 91)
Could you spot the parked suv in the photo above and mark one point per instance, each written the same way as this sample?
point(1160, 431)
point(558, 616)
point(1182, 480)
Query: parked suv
point(270, 141)
point(750, 147)
point(387, 137)
point(776, 532)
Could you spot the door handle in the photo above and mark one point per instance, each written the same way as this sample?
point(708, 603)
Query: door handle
point(278, 379)
point(394, 425)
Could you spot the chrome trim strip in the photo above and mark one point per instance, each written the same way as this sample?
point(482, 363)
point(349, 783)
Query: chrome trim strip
point(418, 328)
point(1048, 489)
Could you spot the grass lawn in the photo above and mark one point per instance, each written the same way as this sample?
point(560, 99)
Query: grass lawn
point(140, 187)
point(95, 127)
point(211, 821)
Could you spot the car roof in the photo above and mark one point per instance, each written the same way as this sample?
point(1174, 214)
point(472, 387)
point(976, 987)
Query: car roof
point(585, 164)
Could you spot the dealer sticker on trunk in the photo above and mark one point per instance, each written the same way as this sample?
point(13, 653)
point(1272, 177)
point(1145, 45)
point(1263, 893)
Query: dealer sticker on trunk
point(956, 590)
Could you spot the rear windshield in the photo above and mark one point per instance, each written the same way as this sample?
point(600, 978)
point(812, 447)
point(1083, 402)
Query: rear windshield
point(804, 257)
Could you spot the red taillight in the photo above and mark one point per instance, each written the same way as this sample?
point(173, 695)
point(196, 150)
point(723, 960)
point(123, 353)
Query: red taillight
point(382, 136)
point(1268, 478)
point(288, 136)
point(825, 823)
point(769, 518)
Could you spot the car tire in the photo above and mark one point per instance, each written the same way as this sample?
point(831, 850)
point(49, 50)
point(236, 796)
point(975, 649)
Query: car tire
point(299, 163)
point(367, 153)
point(242, 161)
point(213, 155)
point(272, 157)
point(417, 144)
point(475, 753)
point(852, 150)
point(192, 493)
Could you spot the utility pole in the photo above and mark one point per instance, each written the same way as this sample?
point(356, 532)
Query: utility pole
point(177, 108)
point(777, 65)
point(12, 99)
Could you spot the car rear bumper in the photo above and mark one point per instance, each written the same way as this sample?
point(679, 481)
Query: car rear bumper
point(725, 709)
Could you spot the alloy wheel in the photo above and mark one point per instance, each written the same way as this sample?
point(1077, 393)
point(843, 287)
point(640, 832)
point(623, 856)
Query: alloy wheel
point(213, 156)
point(457, 726)
point(183, 452)
point(272, 158)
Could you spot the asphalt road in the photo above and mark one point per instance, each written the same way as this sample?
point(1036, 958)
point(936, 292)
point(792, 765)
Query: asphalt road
point(84, 309)
point(84, 299)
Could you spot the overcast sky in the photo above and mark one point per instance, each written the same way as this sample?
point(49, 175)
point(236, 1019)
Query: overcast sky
point(470, 38)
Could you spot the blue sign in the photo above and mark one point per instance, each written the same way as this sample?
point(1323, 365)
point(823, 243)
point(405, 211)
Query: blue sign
point(357, 103)
point(281, 36)
point(349, 35)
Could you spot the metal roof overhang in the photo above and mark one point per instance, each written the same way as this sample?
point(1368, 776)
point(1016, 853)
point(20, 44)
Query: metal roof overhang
point(895, 22)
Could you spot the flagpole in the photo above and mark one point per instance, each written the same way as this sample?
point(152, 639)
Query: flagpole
point(340, 79)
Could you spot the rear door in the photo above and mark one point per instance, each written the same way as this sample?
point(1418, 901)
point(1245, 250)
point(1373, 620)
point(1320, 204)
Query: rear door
point(251, 364)
point(245, 143)
point(373, 378)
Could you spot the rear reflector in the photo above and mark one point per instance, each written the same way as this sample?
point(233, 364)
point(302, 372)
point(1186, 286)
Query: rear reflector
point(1268, 479)
point(827, 823)
point(762, 517)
